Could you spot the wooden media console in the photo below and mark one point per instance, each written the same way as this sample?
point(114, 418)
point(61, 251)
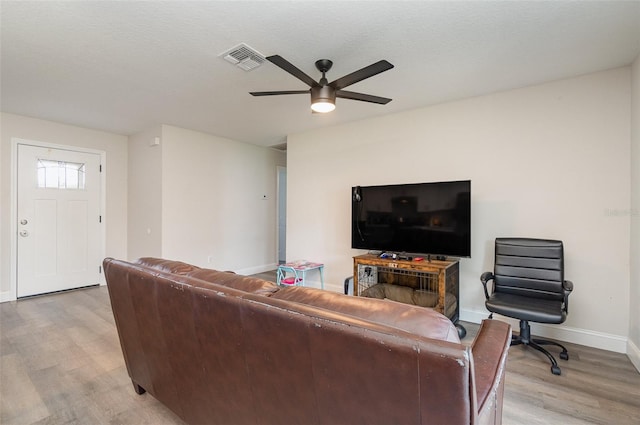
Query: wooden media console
point(428, 283)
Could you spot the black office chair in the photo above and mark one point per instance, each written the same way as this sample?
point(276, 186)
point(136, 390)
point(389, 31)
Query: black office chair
point(348, 285)
point(529, 285)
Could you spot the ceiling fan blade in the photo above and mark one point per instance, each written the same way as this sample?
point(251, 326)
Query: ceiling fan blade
point(276, 93)
point(363, 97)
point(361, 74)
point(291, 69)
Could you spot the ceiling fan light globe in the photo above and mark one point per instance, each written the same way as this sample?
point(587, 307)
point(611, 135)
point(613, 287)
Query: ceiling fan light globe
point(323, 106)
point(323, 99)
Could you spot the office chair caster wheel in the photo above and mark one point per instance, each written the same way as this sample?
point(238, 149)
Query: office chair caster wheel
point(555, 370)
point(564, 355)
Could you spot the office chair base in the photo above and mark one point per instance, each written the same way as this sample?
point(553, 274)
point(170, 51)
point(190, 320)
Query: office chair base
point(525, 339)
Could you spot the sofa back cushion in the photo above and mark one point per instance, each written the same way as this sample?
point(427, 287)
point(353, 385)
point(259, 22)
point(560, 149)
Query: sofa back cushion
point(335, 368)
point(227, 278)
point(167, 266)
point(235, 281)
point(414, 319)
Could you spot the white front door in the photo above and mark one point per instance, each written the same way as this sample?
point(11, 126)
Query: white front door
point(59, 222)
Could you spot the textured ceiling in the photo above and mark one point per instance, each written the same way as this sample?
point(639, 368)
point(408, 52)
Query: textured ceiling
point(123, 67)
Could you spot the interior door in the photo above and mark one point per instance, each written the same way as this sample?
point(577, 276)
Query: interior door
point(59, 223)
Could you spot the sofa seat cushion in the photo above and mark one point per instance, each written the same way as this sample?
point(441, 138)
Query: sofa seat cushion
point(406, 317)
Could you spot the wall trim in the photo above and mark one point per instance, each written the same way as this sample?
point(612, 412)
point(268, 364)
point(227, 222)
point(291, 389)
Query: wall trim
point(333, 287)
point(7, 296)
point(633, 352)
point(604, 341)
point(257, 269)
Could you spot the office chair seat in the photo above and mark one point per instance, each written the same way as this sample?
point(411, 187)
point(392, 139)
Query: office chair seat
point(525, 308)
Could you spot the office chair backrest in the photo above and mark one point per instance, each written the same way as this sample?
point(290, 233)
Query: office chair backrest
point(529, 267)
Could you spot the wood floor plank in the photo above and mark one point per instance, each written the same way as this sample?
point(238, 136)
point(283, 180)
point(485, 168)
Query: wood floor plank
point(20, 400)
point(61, 362)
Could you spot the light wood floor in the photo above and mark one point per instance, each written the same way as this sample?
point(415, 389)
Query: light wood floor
point(61, 363)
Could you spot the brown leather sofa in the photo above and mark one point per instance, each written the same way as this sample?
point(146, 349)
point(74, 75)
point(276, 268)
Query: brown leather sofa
point(220, 348)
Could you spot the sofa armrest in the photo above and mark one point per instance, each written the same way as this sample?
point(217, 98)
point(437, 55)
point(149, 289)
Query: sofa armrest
point(489, 350)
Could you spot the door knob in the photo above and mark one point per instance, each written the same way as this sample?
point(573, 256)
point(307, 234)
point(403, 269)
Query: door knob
point(24, 233)
point(23, 222)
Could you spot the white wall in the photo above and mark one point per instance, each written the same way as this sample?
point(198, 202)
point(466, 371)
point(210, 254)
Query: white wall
point(218, 201)
point(548, 161)
point(633, 349)
point(145, 195)
point(115, 146)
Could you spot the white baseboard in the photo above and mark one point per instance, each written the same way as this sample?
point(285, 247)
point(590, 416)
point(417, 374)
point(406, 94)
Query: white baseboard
point(327, 286)
point(633, 352)
point(7, 296)
point(604, 341)
point(257, 269)
point(333, 287)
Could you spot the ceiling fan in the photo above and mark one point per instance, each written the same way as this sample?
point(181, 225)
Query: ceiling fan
point(323, 93)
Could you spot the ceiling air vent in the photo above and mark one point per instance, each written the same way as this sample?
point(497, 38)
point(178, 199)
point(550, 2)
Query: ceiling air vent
point(243, 57)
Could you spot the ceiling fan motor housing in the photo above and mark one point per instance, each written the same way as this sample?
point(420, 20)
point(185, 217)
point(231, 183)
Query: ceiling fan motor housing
point(323, 94)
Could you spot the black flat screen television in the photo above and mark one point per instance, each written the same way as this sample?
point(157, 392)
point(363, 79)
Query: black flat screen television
point(419, 218)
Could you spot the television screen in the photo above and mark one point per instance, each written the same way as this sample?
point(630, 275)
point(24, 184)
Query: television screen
point(420, 218)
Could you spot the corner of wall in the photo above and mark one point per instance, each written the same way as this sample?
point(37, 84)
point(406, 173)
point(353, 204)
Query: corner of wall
point(144, 206)
point(634, 354)
point(634, 249)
